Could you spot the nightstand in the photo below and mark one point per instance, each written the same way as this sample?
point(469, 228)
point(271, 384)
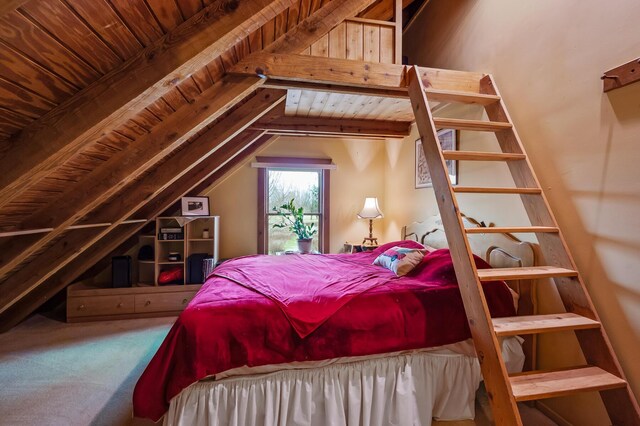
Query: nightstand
point(357, 248)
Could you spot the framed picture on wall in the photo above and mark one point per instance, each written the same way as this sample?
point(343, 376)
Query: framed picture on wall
point(194, 206)
point(449, 142)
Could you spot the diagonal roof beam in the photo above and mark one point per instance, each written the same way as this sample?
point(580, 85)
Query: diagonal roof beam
point(208, 146)
point(125, 91)
point(103, 182)
point(247, 143)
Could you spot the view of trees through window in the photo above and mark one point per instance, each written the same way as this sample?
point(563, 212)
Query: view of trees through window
point(304, 187)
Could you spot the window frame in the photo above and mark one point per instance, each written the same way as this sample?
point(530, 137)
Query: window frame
point(294, 163)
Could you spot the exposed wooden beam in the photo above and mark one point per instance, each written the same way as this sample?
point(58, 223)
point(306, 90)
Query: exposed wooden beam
point(397, 39)
point(116, 237)
point(245, 145)
point(302, 71)
point(123, 167)
point(323, 70)
point(119, 95)
point(333, 126)
point(136, 195)
point(271, 83)
point(383, 10)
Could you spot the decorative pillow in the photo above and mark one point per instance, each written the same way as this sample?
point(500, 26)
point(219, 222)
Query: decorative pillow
point(400, 243)
point(400, 260)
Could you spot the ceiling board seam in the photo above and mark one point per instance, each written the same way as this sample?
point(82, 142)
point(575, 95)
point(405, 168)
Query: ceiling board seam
point(73, 53)
point(125, 23)
point(150, 9)
point(91, 29)
point(41, 67)
point(52, 103)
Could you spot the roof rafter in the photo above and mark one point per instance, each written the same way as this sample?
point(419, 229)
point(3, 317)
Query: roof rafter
point(119, 95)
point(276, 122)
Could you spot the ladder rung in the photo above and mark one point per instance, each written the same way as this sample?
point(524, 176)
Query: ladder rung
point(531, 272)
point(483, 190)
point(511, 229)
point(550, 384)
point(478, 125)
point(534, 324)
point(462, 97)
point(481, 156)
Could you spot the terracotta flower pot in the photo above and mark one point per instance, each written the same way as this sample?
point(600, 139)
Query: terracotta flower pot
point(304, 245)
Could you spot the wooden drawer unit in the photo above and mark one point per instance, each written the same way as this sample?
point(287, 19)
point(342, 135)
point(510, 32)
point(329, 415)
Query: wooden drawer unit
point(90, 303)
point(163, 302)
point(86, 306)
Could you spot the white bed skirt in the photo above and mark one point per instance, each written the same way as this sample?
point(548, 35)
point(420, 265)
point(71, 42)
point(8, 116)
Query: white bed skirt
point(408, 389)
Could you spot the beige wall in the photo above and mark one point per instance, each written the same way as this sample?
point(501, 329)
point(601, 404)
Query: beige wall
point(547, 57)
point(360, 174)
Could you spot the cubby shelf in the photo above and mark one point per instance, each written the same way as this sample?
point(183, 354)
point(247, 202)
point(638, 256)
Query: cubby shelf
point(192, 243)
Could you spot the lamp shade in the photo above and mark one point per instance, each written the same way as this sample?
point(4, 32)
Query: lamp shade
point(371, 210)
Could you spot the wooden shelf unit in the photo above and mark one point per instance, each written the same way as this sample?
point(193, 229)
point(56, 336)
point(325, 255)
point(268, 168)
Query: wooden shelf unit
point(89, 301)
point(192, 243)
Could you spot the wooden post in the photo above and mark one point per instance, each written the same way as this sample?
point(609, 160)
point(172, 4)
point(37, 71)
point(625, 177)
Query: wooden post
point(397, 15)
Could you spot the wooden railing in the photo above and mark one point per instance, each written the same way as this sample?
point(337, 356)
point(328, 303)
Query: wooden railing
point(363, 40)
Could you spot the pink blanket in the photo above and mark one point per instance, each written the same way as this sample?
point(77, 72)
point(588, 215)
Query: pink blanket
point(308, 289)
point(228, 325)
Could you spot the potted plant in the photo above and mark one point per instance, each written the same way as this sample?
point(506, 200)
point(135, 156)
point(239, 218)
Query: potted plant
point(293, 218)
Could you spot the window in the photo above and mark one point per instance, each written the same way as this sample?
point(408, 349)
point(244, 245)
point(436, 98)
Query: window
point(306, 181)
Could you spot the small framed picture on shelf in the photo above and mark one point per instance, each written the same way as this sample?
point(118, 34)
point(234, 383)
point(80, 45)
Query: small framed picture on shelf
point(194, 206)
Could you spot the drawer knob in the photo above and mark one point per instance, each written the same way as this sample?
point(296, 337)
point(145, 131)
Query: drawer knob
point(81, 308)
point(147, 303)
point(120, 305)
point(184, 301)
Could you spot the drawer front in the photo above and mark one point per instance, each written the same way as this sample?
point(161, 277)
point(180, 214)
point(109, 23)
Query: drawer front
point(100, 305)
point(163, 302)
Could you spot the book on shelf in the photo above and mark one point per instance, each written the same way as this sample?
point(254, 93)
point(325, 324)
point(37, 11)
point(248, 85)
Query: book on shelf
point(171, 236)
point(171, 230)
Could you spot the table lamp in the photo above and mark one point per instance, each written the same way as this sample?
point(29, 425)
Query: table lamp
point(370, 211)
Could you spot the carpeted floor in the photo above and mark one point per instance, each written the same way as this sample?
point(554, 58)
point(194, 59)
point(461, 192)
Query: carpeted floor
point(54, 373)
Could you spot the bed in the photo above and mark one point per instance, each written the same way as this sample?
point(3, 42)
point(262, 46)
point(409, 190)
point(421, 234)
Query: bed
point(361, 347)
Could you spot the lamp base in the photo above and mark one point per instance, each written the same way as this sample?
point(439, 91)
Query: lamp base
point(370, 241)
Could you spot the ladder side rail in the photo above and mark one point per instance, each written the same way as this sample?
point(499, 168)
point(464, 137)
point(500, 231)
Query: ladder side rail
point(494, 372)
point(594, 343)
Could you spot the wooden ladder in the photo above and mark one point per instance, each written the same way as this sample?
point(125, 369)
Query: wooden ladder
point(603, 372)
